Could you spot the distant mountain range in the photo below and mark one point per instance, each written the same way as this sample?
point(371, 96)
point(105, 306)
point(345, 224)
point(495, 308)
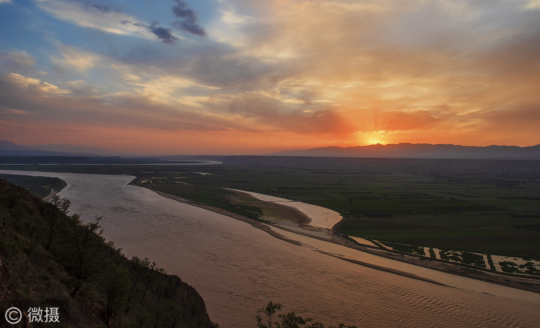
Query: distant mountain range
point(405, 150)
point(8, 148)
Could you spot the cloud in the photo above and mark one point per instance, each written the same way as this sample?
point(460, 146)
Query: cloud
point(532, 4)
point(74, 58)
point(515, 117)
point(267, 112)
point(22, 80)
point(162, 88)
point(317, 71)
point(80, 88)
point(188, 23)
point(5, 1)
point(16, 61)
point(34, 84)
point(164, 34)
point(123, 110)
point(16, 112)
point(101, 18)
point(100, 8)
point(108, 18)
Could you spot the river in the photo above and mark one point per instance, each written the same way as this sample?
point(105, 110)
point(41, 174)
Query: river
point(237, 269)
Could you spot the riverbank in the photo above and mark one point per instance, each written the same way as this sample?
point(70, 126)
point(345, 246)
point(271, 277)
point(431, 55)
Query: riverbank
point(531, 284)
point(218, 210)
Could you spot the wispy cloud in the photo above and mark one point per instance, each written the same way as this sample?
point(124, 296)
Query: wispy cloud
point(16, 61)
point(100, 17)
point(34, 84)
point(74, 58)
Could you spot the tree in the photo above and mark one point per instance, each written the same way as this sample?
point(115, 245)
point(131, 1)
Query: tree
point(151, 275)
point(62, 204)
point(289, 320)
point(139, 266)
point(115, 283)
point(116, 253)
point(174, 313)
point(52, 217)
point(79, 256)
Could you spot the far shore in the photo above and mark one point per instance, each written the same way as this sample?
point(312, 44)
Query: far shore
point(531, 284)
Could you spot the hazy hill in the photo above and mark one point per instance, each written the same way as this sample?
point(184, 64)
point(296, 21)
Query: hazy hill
point(7, 145)
point(427, 151)
point(77, 149)
point(8, 148)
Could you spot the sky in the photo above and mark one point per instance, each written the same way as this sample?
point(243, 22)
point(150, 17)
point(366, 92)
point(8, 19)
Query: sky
point(260, 76)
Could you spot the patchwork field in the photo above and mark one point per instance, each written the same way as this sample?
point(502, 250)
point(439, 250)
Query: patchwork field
point(504, 264)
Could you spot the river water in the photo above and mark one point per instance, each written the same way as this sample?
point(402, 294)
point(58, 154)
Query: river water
point(237, 269)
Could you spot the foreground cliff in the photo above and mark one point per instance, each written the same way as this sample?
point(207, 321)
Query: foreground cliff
point(51, 260)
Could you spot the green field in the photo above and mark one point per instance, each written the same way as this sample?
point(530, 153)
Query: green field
point(485, 214)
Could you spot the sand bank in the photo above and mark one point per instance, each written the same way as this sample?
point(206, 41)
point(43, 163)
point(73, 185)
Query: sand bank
point(320, 217)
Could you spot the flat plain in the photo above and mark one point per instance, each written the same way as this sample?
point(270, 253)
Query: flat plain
point(483, 213)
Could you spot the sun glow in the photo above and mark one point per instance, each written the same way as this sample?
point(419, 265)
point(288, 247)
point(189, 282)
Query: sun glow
point(371, 138)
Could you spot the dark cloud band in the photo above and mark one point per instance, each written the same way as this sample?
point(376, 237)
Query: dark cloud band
point(164, 34)
point(188, 23)
point(104, 9)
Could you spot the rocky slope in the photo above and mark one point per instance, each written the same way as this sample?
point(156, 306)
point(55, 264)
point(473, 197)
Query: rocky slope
point(49, 258)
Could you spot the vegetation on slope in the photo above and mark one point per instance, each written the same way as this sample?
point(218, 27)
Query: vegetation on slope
point(269, 317)
point(49, 256)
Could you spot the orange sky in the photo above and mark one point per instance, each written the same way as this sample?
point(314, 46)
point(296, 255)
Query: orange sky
point(275, 75)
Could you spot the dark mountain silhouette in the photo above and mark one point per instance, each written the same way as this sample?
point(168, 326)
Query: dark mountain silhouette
point(7, 145)
point(428, 151)
point(9, 149)
point(75, 149)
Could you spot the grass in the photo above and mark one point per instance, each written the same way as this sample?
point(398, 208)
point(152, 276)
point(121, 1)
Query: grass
point(463, 257)
point(510, 267)
point(212, 196)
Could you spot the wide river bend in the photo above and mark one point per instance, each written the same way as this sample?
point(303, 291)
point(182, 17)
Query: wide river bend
point(237, 268)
